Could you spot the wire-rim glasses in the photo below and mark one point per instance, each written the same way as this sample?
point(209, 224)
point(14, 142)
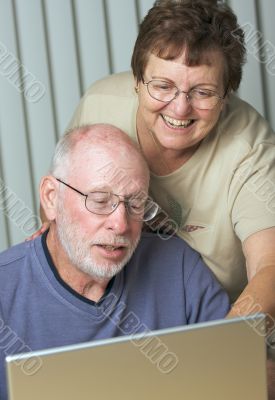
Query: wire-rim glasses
point(164, 91)
point(139, 207)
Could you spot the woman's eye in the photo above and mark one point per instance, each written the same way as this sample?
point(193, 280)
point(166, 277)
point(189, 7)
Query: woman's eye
point(165, 87)
point(203, 93)
point(162, 86)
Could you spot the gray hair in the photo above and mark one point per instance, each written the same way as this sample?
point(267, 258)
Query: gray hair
point(60, 160)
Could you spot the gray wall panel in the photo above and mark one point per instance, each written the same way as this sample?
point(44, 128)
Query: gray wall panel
point(38, 106)
point(17, 184)
point(63, 59)
point(144, 6)
point(92, 41)
point(267, 12)
point(123, 22)
point(251, 89)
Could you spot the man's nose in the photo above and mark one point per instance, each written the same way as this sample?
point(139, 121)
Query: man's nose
point(118, 220)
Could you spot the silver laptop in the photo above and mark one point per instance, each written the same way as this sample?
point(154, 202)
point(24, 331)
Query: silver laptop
point(220, 360)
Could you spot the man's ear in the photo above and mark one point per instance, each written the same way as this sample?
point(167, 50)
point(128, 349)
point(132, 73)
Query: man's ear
point(49, 196)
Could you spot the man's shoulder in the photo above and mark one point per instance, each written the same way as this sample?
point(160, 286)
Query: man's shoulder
point(17, 254)
point(120, 84)
point(173, 245)
point(13, 254)
point(160, 238)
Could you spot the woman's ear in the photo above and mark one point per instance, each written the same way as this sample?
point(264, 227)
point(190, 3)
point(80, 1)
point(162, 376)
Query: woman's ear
point(49, 196)
point(136, 86)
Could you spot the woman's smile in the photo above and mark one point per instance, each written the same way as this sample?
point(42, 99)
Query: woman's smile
point(176, 123)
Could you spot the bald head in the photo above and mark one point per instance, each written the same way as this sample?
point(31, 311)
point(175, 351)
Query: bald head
point(77, 143)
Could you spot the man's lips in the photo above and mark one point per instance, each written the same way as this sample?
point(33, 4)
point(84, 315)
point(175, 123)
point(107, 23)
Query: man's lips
point(177, 123)
point(114, 253)
point(110, 247)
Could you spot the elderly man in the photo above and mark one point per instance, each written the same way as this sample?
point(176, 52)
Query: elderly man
point(92, 275)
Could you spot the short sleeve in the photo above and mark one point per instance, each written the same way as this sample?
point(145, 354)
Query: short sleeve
point(252, 191)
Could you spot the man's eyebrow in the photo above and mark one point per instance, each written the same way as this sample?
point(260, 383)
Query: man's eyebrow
point(99, 189)
point(108, 189)
point(139, 193)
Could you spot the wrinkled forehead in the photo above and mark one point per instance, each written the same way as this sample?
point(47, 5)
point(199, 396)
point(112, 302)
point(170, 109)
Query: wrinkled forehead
point(122, 179)
point(119, 169)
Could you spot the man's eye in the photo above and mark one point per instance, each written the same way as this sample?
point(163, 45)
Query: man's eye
point(99, 197)
point(137, 204)
point(100, 201)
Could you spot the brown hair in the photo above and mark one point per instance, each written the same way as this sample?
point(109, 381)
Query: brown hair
point(198, 26)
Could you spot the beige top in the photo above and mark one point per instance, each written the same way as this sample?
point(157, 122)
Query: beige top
point(224, 193)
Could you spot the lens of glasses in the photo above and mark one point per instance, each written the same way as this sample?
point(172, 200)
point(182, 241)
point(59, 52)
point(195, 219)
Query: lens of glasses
point(202, 99)
point(141, 208)
point(136, 205)
point(101, 202)
point(150, 211)
point(161, 90)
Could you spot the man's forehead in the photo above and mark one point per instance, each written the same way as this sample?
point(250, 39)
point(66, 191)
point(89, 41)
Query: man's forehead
point(127, 179)
point(102, 166)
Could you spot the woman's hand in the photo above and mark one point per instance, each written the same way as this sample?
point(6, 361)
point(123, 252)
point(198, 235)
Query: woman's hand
point(41, 230)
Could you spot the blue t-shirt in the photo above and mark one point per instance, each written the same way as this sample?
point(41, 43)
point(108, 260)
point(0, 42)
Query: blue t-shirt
point(165, 284)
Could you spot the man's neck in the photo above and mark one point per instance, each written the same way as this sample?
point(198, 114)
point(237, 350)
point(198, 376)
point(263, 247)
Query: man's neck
point(80, 282)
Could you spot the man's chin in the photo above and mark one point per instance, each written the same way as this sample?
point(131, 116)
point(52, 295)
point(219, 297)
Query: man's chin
point(101, 270)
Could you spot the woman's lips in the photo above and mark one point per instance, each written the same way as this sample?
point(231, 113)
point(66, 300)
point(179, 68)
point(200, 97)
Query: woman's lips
point(177, 123)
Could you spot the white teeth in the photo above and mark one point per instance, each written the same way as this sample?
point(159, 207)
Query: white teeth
point(109, 248)
point(177, 122)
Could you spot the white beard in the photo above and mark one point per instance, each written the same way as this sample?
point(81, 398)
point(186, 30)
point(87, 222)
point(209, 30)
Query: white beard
point(78, 249)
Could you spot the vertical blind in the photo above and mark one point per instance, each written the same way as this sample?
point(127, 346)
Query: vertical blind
point(51, 51)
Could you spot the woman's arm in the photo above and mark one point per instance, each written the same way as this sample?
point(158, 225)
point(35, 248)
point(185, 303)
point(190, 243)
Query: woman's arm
point(259, 294)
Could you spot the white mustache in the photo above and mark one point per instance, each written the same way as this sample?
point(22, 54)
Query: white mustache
point(115, 241)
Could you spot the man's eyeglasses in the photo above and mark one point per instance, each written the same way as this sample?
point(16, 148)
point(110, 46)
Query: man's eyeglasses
point(139, 207)
point(203, 99)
